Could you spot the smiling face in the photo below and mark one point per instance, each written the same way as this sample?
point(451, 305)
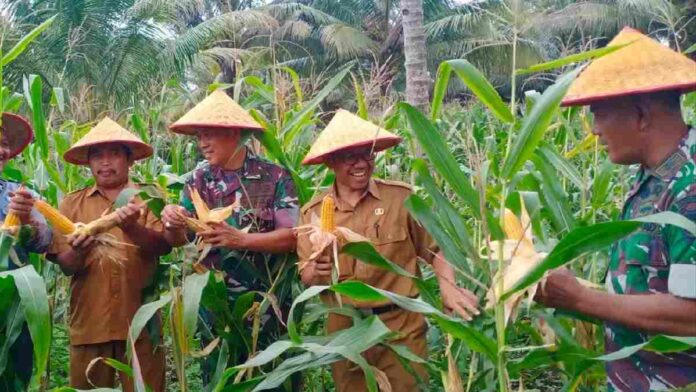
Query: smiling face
point(218, 146)
point(110, 164)
point(353, 167)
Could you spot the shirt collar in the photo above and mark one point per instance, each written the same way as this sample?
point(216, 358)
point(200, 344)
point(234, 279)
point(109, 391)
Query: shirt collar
point(673, 163)
point(95, 190)
point(372, 190)
point(247, 169)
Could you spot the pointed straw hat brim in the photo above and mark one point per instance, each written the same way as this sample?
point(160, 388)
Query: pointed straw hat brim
point(346, 131)
point(642, 66)
point(216, 111)
point(17, 131)
point(104, 133)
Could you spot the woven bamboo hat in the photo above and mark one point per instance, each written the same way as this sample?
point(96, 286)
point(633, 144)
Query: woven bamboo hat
point(345, 131)
point(17, 131)
point(643, 66)
point(107, 131)
point(216, 111)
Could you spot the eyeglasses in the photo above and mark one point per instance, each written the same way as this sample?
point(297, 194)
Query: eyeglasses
point(353, 157)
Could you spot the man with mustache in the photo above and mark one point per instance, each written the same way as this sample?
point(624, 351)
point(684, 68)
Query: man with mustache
point(633, 94)
point(35, 235)
point(105, 293)
point(375, 209)
point(249, 247)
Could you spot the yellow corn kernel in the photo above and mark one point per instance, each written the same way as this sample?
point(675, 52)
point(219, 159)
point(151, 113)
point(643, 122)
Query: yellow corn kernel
point(512, 226)
point(11, 220)
point(327, 214)
point(59, 221)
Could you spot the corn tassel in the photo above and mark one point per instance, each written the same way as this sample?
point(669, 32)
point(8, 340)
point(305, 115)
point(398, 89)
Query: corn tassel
point(327, 215)
point(59, 221)
point(11, 220)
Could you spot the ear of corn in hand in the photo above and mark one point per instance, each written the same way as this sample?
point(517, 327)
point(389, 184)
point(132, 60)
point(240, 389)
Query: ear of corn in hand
point(59, 221)
point(11, 220)
point(327, 222)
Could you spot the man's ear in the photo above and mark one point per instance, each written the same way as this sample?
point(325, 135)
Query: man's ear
point(645, 115)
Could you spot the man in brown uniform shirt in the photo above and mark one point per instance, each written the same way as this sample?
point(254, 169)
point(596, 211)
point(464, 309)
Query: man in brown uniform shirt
point(375, 209)
point(105, 294)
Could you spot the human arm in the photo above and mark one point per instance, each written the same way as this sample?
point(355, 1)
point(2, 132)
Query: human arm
point(22, 204)
point(225, 236)
point(649, 313)
point(149, 240)
point(454, 298)
point(175, 229)
point(73, 254)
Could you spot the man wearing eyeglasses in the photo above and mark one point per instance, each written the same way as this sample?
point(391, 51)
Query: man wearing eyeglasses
point(375, 209)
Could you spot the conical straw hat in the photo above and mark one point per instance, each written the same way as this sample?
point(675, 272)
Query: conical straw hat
point(346, 130)
point(17, 131)
point(643, 66)
point(107, 131)
point(216, 111)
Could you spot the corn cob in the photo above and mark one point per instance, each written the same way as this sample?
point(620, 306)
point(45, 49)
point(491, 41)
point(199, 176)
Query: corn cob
point(59, 221)
point(11, 220)
point(327, 215)
point(512, 226)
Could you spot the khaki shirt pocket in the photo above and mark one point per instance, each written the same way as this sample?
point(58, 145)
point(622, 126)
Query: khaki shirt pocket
point(393, 244)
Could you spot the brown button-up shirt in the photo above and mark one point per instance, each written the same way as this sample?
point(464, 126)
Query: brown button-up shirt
point(381, 217)
point(104, 295)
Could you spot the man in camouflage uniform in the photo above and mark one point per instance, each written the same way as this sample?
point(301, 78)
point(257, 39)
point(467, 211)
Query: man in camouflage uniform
point(252, 246)
point(651, 278)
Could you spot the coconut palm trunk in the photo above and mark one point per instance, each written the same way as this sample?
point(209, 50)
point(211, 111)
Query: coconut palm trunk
point(417, 78)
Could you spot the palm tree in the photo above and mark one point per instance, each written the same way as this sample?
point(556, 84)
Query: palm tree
point(417, 78)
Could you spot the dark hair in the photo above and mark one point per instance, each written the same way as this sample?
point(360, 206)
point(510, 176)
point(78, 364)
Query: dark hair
point(126, 150)
point(669, 99)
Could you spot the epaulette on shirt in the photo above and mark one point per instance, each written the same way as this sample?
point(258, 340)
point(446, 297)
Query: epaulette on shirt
point(315, 200)
point(399, 184)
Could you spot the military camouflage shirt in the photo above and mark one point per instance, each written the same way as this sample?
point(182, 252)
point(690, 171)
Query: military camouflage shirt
point(268, 201)
point(655, 259)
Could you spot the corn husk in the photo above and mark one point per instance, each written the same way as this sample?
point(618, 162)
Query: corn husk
point(107, 246)
point(519, 256)
point(204, 217)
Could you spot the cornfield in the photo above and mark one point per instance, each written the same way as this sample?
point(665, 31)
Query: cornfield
point(486, 169)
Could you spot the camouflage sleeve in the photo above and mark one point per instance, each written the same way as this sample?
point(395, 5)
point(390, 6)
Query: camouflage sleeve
point(286, 209)
point(185, 200)
point(681, 247)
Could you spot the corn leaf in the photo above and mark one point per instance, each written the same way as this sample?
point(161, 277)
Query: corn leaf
point(144, 314)
point(34, 93)
point(366, 252)
point(438, 152)
point(535, 123)
point(449, 216)
point(23, 43)
point(14, 320)
point(584, 240)
point(303, 115)
point(573, 58)
point(601, 183)
point(192, 293)
point(34, 301)
point(424, 214)
point(347, 343)
point(474, 338)
point(549, 153)
point(475, 81)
